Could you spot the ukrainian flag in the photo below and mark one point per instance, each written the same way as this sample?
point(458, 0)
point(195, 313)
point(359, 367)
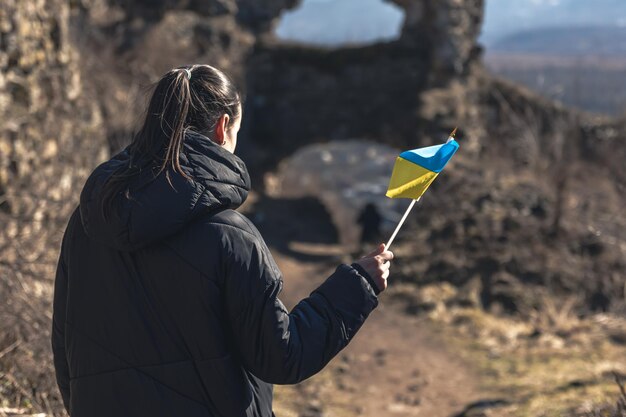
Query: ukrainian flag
point(415, 170)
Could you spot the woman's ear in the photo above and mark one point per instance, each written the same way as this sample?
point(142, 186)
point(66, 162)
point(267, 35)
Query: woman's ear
point(220, 129)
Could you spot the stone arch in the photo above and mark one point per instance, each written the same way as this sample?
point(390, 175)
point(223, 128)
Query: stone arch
point(302, 94)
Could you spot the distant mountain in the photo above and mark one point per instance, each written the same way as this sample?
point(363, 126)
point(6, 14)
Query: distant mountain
point(571, 41)
point(505, 17)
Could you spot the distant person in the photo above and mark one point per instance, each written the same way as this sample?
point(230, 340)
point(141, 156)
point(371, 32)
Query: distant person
point(166, 299)
point(369, 220)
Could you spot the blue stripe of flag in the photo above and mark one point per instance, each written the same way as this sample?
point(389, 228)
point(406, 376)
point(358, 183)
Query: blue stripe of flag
point(433, 158)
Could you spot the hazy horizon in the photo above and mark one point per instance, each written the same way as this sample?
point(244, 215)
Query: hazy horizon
point(337, 22)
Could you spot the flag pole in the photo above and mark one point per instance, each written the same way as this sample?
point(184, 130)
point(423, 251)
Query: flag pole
point(395, 232)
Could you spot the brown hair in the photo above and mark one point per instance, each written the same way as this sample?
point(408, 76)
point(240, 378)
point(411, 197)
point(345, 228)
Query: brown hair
point(186, 98)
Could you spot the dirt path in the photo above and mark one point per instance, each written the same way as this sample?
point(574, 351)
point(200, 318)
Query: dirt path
point(396, 365)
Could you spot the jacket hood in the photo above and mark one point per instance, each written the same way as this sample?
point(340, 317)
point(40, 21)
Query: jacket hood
point(155, 209)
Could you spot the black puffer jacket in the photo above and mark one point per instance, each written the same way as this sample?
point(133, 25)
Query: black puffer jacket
point(170, 308)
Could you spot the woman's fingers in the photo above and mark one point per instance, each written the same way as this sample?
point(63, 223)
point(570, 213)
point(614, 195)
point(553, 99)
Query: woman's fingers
point(384, 257)
point(377, 264)
point(379, 249)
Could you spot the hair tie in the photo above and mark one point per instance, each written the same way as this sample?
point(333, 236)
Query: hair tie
point(188, 71)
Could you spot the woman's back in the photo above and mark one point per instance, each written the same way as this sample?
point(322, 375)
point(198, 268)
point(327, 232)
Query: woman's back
point(171, 308)
point(144, 308)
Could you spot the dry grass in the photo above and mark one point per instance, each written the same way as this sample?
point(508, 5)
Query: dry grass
point(556, 315)
point(545, 361)
point(610, 410)
point(26, 282)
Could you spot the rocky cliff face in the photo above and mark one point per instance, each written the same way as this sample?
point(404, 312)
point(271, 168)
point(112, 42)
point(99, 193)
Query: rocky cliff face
point(42, 108)
point(48, 135)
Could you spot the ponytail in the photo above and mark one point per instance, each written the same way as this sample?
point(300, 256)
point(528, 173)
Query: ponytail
point(192, 97)
point(173, 117)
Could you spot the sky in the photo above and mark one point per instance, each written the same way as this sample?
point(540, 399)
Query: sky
point(333, 22)
point(506, 17)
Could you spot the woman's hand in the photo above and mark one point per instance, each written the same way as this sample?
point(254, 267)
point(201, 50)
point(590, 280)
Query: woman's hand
point(377, 264)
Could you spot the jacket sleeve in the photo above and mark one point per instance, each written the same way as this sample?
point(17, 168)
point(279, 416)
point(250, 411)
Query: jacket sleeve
point(284, 347)
point(58, 328)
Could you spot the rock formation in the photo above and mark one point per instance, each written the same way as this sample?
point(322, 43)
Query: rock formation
point(305, 94)
point(49, 137)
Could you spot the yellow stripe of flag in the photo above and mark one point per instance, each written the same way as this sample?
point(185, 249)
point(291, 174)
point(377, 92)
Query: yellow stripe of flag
point(409, 180)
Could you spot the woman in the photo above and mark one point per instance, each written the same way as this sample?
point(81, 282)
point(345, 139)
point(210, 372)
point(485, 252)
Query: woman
point(166, 299)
